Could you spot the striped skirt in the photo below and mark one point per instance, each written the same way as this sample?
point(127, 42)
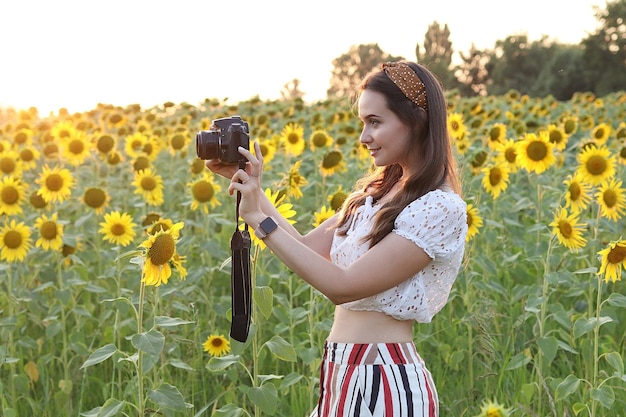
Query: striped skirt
point(375, 380)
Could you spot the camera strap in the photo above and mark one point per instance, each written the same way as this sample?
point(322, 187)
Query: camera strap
point(240, 282)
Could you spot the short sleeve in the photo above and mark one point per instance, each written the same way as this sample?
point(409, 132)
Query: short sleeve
point(436, 222)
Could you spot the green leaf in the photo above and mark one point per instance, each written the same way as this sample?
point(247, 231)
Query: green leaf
point(281, 349)
point(229, 410)
point(617, 300)
point(583, 325)
point(151, 342)
point(264, 298)
point(111, 408)
point(549, 347)
point(164, 321)
point(615, 360)
point(517, 361)
point(168, 396)
point(265, 397)
point(100, 355)
point(290, 380)
point(218, 364)
point(567, 387)
point(604, 395)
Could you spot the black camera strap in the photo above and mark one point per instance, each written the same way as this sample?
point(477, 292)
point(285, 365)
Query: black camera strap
point(240, 282)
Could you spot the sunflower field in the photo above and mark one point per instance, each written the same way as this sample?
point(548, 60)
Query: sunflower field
point(115, 261)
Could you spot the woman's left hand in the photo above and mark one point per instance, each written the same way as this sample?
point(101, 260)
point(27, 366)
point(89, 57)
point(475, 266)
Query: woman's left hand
point(249, 185)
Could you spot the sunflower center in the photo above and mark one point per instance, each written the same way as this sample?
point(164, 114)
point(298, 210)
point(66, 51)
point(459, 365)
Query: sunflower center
point(495, 176)
point(599, 134)
point(479, 159)
point(537, 151)
point(76, 147)
point(596, 165)
point(454, 125)
point(331, 159)
point(337, 201)
point(470, 220)
point(7, 165)
point(493, 412)
point(48, 230)
point(54, 182)
point(217, 342)
point(148, 183)
point(118, 229)
point(293, 138)
point(566, 229)
point(141, 163)
point(10, 195)
point(50, 149)
point(510, 155)
point(617, 255)
point(94, 197)
point(569, 126)
point(177, 142)
point(319, 140)
point(203, 191)
point(622, 153)
point(21, 138)
point(37, 201)
point(12, 239)
point(105, 143)
point(162, 249)
point(610, 198)
point(27, 155)
point(575, 191)
point(556, 137)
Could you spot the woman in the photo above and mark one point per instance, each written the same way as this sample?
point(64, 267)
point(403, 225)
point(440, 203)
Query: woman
point(388, 258)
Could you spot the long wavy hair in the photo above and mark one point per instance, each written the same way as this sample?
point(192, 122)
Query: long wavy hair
point(431, 149)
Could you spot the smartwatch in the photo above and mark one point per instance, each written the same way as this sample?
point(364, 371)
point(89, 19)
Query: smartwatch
point(266, 227)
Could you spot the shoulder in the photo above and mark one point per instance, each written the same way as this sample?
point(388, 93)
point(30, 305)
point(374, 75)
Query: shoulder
point(434, 202)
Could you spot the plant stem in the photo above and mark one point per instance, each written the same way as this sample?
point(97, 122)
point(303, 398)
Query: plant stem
point(596, 338)
point(140, 399)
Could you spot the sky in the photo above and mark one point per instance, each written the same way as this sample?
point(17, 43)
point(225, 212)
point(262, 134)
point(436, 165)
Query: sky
point(75, 54)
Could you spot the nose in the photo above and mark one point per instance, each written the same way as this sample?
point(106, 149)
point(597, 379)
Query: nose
point(365, 138)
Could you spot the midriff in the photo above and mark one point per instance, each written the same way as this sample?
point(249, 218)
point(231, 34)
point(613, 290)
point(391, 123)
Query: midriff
point(351, 326)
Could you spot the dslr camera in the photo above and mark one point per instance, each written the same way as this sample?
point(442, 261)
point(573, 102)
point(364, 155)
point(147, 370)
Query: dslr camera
point(223, 139)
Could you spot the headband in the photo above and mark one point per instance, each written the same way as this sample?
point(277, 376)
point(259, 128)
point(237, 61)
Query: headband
point(407, 81)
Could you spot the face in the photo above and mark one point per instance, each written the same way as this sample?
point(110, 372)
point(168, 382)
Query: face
point(385, 135)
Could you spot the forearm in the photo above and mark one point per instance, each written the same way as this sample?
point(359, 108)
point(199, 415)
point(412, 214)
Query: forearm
point(270, 210)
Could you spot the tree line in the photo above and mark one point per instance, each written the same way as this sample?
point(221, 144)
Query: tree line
point(539, 68)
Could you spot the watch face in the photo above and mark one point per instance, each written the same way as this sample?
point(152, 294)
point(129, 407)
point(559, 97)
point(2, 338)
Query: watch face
point(268, 225)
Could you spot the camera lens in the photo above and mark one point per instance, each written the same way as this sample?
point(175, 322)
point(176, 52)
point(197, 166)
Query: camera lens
point(207, 144)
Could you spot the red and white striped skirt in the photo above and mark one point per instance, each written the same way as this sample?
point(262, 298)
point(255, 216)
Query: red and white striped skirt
point(375, 380)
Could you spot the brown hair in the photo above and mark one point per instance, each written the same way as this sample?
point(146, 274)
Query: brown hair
point(437, 167)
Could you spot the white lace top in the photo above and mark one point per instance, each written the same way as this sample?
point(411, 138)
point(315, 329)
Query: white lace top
point(437, 223)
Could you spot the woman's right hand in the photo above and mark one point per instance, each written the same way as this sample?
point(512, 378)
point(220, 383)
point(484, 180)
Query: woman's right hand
point(216, 166)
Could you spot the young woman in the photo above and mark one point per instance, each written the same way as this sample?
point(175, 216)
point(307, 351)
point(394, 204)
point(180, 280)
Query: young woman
point(388, 258)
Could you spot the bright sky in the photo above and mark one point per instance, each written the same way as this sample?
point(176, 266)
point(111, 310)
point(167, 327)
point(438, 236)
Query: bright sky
point(77, 53)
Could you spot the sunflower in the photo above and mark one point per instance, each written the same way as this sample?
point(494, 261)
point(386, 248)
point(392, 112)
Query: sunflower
point(478, 161)
point(63, 130)
point(14, 241)
point(493, 409)
point(570, 125)
point(55, 184)
point(178, 143)
point(10, 163)
point(203, 193)
point(456, 126)
point(568, 230)
point(474, 222)
point(294, 181)
point(596, 164)
point(133, 144)
point(496, 135)
point(160, 252)
point(23, 136)
point(621, 154)
point(535, 152)
point(105, 144)
point(336, 199)
point(557, 136)
point(118, 228)
point(216, 345)
point(268, 150)
point(285, 209)
point(507, 155)
point(292, 136)
point(29, 156)
point(321, 216)
point(613, 259)
point(50, 232)
point(611, 198)
point(495, 179)
point(600, 133)
point(76, 148)
point(462, 145)
point(150, 186)
point(320, 139)
point(578, 194)
point(197, 166)
point(332, 163)
point(12, 195)
point(96, 198)
point(159, 224)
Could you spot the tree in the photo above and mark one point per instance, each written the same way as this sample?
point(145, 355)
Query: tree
point(437, 54)
point(605, 51)
point(350, 68)
point(291, 90)
point(471, 74)
point(563, 75)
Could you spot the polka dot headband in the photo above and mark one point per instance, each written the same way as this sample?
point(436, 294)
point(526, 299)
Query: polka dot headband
point(407, 81)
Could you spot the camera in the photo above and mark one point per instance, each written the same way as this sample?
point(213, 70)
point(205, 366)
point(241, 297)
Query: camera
point(223, 139)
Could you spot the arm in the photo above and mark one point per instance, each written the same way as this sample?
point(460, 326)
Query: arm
point(379, 269)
